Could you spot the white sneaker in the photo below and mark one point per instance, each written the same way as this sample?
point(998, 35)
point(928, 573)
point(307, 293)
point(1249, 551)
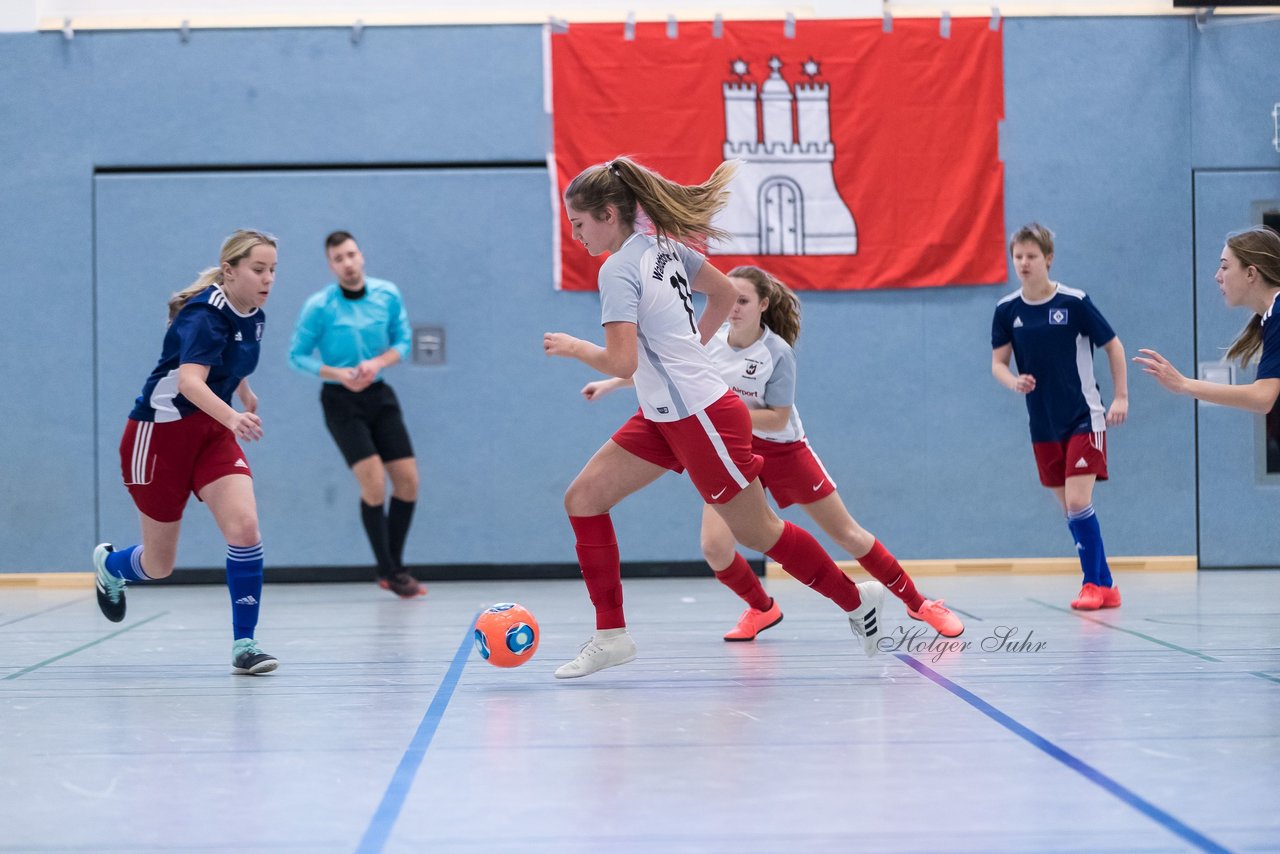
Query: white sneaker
point(597, 654)
point(865, 619)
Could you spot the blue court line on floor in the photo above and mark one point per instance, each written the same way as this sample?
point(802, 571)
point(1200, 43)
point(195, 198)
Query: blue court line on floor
point(1081, 767)
point(384, 819)
point(128, 628)
point(45, 611)
point(1095, 620)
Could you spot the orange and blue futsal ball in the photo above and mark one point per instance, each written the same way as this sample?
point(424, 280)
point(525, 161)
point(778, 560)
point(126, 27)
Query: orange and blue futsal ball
point(506, 635)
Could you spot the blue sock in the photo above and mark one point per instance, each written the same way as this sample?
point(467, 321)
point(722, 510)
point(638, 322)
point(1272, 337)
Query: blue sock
point(127, 564)
point(244, 580)
point(1088, 536)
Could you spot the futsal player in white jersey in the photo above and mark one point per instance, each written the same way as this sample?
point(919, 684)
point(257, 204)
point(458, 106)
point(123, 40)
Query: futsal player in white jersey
point(688, 418)
point(183, 435)
point(1248, 275)
point(754, 355)
point(1052, 331)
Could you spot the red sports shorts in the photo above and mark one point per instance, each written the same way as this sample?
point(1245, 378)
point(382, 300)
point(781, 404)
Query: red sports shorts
point(792, 472)
point(1083, 453)
point(713, 445)
point(164, 463)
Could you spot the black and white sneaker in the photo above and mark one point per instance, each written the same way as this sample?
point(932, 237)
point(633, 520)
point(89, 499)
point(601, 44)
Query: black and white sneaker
point(248, 659)
point(110, 588)
point(865, 619)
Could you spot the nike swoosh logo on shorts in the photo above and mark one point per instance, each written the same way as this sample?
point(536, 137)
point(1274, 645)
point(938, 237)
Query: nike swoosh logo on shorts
point(718, 494)
point(819, 484)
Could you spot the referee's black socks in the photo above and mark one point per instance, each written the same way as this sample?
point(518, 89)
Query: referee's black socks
point(375, 526)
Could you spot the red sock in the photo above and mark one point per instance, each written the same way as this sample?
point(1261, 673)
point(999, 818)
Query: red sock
point(601, 567)
point(739, 578)
point(802, 556)
point(884, 567)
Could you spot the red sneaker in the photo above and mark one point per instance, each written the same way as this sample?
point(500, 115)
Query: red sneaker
point(1090, 598)
point(939, 617)
point(753, 622)
point(1110, 597)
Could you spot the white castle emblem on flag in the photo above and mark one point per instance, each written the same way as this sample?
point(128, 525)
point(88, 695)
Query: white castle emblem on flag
point(783, 199)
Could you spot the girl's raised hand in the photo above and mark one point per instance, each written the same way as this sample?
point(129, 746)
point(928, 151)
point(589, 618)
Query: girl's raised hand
point(1158, 366)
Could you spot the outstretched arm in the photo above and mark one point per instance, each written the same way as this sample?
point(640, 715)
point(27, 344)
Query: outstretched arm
point(617, 358)
point(1258, 396)
point(599, 388)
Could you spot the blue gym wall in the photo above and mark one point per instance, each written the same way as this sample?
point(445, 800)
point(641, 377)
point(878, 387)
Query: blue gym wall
point(1107, 121)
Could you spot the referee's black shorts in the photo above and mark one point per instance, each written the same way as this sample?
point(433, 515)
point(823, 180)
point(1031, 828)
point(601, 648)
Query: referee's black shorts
point(365, 423)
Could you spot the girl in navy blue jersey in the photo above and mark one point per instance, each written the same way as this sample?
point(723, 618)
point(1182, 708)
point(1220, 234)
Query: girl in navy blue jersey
point(181, 438)
point(1052, 331)
point(1249, 276)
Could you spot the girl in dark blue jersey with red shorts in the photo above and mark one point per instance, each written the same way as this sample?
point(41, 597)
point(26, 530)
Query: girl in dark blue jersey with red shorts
point(1052, 331)
point(1248, 275)
point(181, 438)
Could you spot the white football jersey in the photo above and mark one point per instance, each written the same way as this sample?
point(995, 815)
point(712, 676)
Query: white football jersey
point(648, 283)
point(763, 374)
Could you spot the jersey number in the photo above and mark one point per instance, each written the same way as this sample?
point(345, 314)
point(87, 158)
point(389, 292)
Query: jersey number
point(681, 284)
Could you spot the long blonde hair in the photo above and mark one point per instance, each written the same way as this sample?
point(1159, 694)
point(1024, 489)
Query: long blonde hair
point(782, 315)
point(1257, 247)
point(234, 249)
point(677, 211)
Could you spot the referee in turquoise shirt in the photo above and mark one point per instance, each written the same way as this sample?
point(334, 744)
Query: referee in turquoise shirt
point(359, 327)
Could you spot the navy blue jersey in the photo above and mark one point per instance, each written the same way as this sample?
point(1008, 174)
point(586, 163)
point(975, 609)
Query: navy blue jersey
point(1053, 340)
point(208, 331)
point(1269, 364)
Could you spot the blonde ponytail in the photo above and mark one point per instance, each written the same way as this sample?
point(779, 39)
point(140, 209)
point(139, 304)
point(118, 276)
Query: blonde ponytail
point(206, 278)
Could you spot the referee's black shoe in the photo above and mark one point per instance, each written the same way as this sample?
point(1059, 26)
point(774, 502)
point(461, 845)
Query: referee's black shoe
point(402, 584)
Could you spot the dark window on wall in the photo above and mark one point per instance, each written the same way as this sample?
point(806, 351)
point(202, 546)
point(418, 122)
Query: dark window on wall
point(1272, 218)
